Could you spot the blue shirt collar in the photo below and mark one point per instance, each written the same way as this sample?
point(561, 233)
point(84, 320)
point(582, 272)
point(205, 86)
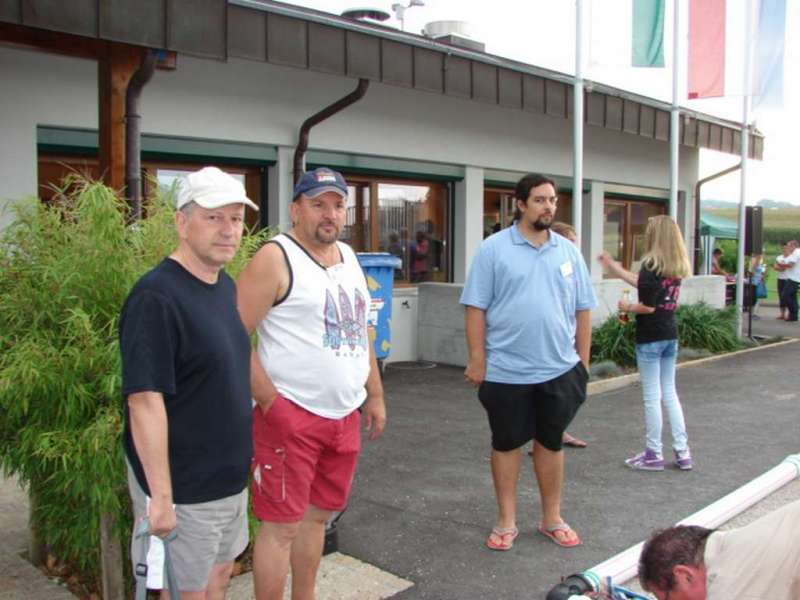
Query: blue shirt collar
point(518, 238)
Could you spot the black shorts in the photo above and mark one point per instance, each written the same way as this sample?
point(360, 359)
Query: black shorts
point(541, 411)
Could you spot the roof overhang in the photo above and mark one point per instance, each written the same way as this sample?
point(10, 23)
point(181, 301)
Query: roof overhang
point(283, 34)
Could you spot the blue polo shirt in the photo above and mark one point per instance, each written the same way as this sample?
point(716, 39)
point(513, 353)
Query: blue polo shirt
point(530, 296)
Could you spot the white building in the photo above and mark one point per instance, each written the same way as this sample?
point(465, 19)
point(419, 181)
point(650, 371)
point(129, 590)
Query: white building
point(435, 145)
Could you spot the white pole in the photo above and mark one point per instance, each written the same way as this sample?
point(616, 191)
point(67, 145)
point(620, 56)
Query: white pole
point(577, 117)
point(622, 566)
point(674, 122)
point(745, 151)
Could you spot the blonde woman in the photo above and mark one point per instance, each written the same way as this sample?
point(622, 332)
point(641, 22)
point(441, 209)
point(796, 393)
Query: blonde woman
point(658, 283)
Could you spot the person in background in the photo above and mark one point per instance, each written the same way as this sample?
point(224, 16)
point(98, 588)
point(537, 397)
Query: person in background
point(781, 275)
point(759, 561)
point(758, 281)
point(568, 231)
point(664, 265)
point(716, 266)
point(790, 266)
point(421, 256)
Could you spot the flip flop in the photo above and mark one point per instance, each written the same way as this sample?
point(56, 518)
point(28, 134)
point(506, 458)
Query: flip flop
point(507, 536)
point(572, 441)
point(550, 532)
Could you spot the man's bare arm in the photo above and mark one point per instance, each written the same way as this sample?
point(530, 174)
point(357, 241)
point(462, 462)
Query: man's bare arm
point(375, 406)
point(263, 281)
point(148, 419)
point(475, 331)
point(583, 335)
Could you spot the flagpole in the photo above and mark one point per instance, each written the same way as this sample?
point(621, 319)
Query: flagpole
point(745, 151)
point(577, 123)
point(674, 138)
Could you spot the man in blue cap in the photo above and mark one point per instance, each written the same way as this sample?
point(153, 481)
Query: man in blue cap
point(314, 367)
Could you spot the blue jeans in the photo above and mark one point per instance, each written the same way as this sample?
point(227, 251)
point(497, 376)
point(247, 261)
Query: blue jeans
point(656, 362)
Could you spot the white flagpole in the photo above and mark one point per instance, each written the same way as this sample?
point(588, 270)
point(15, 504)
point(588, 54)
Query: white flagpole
point(577, 123)
point(740, 282)
point(674, 128)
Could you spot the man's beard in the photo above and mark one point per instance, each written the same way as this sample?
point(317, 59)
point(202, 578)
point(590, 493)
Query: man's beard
point(540, 225)
point(326, 238)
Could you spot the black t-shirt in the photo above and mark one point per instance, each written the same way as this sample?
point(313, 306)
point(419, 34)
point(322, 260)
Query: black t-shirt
point(184, 338)
point(661, 293)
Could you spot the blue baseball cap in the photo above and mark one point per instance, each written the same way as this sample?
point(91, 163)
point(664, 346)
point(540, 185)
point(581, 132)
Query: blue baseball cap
point(319, 181)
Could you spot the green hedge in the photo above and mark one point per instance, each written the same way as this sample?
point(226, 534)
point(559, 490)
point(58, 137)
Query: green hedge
point(65, 271)
point(699, 326)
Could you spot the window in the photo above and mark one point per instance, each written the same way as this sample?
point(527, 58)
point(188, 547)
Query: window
point(624, 225)
point(408, 219)
point(53, 168)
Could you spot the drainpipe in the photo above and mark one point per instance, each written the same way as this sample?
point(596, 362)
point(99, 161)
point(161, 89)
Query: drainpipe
point(325, 113)
point(133, 160)
point(697, 211)
point(623, 566)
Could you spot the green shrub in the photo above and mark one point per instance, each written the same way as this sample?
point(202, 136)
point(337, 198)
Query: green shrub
point(615, 342)
point(65, 271)
point(699, 326)
point(702, 326)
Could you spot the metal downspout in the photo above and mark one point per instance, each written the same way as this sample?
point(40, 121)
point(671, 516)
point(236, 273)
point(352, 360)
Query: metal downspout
point(133, 160)
point(697, 187)
point(325, 113)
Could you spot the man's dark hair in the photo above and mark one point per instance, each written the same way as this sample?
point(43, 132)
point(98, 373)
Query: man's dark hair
point(668, 548)
point(524, 187)
point(717, 252)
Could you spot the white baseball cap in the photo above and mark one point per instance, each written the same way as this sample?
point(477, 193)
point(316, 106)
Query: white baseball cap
point(211, 187)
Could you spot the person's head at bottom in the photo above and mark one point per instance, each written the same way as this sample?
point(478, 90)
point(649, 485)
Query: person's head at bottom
point(671, 564)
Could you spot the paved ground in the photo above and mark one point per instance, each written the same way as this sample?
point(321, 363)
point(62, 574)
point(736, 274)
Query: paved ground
point(423, 503)
point(423, 500)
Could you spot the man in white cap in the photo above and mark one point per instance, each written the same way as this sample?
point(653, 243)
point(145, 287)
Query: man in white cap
point(314, 368)
point(186, 390)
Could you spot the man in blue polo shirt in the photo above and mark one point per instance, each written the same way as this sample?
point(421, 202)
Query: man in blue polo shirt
point(528, 301)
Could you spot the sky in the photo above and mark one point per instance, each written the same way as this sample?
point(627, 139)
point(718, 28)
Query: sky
point(542, 33)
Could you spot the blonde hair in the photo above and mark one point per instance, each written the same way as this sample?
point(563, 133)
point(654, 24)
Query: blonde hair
point(666, 252)
point(564, 229)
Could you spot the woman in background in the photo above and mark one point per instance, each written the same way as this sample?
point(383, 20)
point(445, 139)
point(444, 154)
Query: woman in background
point(664, 265)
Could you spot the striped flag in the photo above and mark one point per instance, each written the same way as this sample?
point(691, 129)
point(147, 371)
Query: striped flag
point(718, 46)
point(625, 33)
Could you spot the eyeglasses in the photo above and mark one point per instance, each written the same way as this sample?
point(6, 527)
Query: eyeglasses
point(545, 199)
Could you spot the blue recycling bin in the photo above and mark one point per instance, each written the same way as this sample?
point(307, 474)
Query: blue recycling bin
point(379, 269)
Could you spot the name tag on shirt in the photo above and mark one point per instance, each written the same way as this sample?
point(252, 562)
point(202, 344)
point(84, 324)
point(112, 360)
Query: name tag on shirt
point(566, 269)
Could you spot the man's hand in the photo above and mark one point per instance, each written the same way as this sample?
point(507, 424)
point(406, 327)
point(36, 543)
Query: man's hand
point(374, 416)
point(162, 517)
point(475, 372)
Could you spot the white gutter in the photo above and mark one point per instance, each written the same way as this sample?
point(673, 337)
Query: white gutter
point(624, 565)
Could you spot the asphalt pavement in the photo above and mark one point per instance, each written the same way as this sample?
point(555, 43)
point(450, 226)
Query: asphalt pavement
point(423, 500)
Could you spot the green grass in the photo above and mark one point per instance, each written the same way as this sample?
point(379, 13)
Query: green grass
point(773, 218)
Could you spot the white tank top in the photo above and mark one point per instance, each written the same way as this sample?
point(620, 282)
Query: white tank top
point(313, 343)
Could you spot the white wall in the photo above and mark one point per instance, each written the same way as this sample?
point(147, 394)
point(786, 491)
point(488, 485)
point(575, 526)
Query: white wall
point(36, 89)
point(440, 330)
point(256, 102)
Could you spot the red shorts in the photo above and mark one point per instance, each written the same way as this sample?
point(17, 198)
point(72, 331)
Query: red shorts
point(301, 459)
